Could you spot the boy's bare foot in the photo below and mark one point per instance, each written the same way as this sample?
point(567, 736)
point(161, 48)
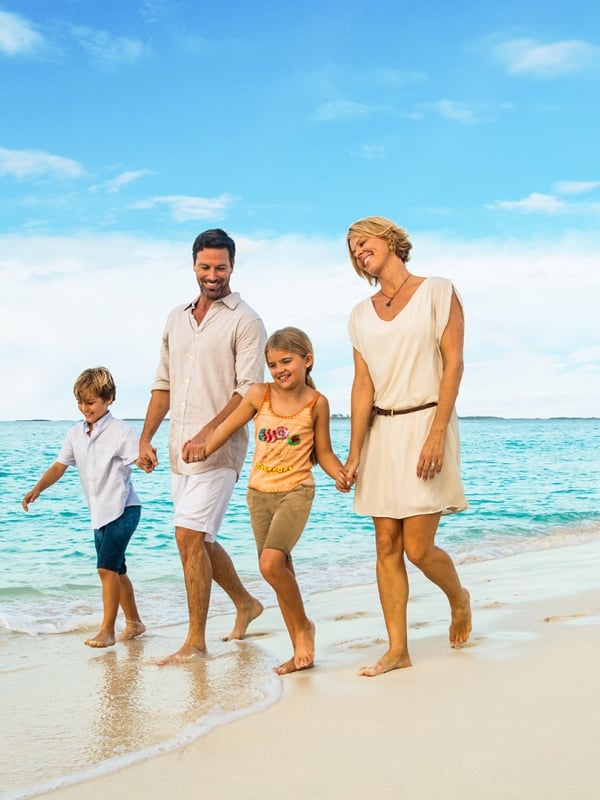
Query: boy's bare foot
point(243, 618)
point(101, 640)
point(290, 666)
point(304, 647)
point(182, 656)
point(132, 629)
point(460, 624)
point(386, 663)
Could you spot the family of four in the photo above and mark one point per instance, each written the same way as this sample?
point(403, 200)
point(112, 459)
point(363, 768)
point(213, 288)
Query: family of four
point(403, 456)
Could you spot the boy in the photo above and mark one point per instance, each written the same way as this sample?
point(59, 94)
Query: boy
point(102, 449)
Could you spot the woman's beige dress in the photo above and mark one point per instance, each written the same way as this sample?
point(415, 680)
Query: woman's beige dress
point(405, 364)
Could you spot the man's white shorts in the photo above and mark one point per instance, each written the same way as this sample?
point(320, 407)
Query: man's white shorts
point(201, 500)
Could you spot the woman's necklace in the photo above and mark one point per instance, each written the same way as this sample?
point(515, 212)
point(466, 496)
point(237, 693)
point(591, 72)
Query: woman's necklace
point(393, 297)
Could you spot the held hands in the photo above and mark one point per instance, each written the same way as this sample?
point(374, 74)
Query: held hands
point(347, 476)
point(147, 459)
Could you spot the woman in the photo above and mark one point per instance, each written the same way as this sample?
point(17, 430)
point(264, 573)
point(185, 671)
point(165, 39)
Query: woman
point(404, 448)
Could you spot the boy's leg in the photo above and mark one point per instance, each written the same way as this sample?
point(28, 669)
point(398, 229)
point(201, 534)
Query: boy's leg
point(133, 624)
point(111, 591)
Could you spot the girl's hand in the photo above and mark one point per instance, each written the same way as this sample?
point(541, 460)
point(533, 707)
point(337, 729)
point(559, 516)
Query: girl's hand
point(29, 498)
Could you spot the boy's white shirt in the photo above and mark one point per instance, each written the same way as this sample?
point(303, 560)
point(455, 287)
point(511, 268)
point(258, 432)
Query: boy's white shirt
point(103, 460)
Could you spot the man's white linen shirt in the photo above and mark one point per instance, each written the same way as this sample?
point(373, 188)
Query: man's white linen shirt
point(202, 366)
point(103, 461)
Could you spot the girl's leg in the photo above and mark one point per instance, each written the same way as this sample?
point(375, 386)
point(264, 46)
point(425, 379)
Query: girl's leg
point(436, 564)
point(392, 582)
point(279, 573)
point(111, 591)
point(133, 624)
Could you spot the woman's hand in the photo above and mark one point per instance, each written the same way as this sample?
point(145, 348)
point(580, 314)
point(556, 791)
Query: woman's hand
point(431, 458)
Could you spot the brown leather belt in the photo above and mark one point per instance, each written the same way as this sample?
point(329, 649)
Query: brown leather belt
point(390, 412)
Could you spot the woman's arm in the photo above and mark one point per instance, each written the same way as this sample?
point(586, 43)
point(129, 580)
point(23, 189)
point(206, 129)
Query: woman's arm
point(361, 403)
point(451, 346)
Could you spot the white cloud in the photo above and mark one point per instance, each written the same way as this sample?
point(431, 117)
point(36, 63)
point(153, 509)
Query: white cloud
point(575, 187)
point(536, 202)
point(451, 109)
point(528, 56)
point(341, 109)
point(17, 35)
point(529, 307)
point(106, 49)
point(124, 179)
point(370, 151)
point(30, 163)
point(185, 208)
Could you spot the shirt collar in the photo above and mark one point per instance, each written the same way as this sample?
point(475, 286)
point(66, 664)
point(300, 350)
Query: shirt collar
point(230, 300)
point(99, 425)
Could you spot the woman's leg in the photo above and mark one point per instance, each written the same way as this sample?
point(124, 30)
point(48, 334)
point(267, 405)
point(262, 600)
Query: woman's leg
point(436, 564)
point(392, 582)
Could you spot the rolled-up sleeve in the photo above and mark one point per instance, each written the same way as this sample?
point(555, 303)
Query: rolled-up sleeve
point(249, 355)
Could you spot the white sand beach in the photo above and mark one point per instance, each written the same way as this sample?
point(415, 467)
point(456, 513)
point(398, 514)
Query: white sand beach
point(513, 715)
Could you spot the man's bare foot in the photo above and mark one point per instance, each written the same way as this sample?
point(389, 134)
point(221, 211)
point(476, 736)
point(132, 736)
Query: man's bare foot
point(101, 639)
point(304, 647)
point(290, 666)
point(386, 663)
point(183, 656)
point(460, 624)
point(243, 618)
point(132, 629)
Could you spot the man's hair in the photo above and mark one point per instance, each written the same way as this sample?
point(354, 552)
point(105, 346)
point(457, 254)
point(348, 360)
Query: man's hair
point(96, 381)
point(216, 239)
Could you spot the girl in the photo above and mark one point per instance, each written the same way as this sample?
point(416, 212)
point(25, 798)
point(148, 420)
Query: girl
point(291, 422)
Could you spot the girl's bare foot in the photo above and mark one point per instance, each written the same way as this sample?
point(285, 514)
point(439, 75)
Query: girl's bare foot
point(460, 624)
point(304, 647)
point(386, 663)
point(132, 629)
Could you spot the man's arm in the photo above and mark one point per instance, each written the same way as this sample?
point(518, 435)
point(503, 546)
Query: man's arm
point(158, 407)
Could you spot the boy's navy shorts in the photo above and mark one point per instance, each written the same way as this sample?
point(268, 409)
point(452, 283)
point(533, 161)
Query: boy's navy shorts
point(112, 539)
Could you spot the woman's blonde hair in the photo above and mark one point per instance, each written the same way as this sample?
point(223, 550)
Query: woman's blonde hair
point(292, 340)
point(379, 228)
point(96, 381)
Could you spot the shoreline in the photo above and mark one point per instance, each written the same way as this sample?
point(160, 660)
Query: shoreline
point(512, 714)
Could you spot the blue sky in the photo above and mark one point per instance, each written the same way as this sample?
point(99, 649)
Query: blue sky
point(131, 125)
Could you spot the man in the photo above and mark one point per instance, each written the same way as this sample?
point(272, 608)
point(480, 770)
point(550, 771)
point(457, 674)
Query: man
point(212, 352)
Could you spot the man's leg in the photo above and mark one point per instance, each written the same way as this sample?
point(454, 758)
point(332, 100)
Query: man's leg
point(197, 573)
point(436, 564)
point(392, 582)
point(247, 607)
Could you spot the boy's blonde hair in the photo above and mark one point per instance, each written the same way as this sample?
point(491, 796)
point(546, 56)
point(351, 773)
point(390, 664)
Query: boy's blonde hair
point(292, 340)
point(96, 381)
point(379, 228)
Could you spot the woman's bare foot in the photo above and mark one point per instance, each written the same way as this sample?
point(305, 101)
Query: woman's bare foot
point(304, 647)
point(132, 629)
point(102, 639)
point(460, 624)
point(243, 618)
point(290, 666)
point(386, 663)
point(182, 656)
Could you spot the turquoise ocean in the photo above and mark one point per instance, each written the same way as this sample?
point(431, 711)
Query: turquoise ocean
point(531, 483)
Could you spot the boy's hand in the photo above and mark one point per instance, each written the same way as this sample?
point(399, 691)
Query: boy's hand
point(29, 498)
